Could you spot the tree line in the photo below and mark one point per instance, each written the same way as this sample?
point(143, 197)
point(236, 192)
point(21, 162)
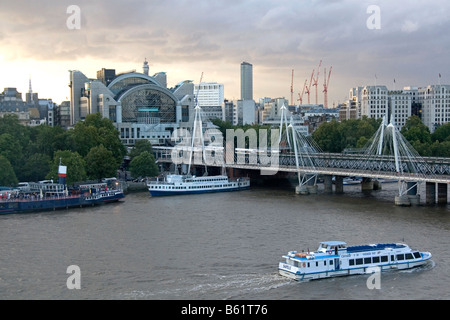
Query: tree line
point(91, 150)
point(337, 136)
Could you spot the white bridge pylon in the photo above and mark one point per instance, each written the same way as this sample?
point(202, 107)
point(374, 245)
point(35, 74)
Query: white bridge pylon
point(291, 140)
point(389, 151)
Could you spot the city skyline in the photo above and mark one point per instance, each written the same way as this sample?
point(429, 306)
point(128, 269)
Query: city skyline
point(185, 39)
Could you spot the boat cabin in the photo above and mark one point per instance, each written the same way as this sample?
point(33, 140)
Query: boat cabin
point(332, 246)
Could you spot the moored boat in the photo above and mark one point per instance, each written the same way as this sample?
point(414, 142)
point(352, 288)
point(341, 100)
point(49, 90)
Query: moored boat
point(47, 195)
point(52, 196)
point(335, 258)
point(185, 184)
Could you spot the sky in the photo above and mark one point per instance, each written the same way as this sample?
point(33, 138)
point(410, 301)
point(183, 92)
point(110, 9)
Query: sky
point(408, 41)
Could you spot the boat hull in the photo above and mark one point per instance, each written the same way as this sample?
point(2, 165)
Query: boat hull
point(289, 272)
point(162, 193)
point(26, 206)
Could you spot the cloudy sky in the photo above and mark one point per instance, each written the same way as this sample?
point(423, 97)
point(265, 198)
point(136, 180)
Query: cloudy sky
point(185, 38)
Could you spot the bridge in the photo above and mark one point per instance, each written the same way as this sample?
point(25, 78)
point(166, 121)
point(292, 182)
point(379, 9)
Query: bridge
point(387, 156)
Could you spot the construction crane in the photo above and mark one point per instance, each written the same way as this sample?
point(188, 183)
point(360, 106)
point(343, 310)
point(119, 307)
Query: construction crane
point(316, 80)
point(326, 83)
point(292, 88)
point(308, 89)
point(300, 96)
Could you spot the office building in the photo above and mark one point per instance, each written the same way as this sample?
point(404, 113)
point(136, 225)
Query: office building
point(435, 101)
point(246, 81)
point(210, 97)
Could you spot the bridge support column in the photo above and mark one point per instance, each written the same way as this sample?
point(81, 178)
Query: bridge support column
point(312, 186)
point(430, 193)
point(413, 196)
point(377, 185)
point(366, 184)
point(328, 184)
point(402, 201)
point(339, 184)
point(442, 193)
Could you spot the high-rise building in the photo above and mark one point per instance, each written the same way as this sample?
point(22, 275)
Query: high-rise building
point(246, 81)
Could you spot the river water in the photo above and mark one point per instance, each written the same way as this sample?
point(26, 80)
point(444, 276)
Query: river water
point(217, 246)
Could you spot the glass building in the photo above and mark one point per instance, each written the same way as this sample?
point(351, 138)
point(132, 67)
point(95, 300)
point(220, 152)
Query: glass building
point(141, 106)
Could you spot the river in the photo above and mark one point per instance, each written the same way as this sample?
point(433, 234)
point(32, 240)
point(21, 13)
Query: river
point(217, 246)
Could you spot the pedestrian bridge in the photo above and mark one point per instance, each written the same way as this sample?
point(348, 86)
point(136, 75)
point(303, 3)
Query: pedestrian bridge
point(387, 156)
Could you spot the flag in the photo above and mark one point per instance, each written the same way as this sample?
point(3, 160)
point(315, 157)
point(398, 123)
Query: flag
point(62, 171)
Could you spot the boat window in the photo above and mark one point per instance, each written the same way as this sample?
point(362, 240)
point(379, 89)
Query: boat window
point(308, 264)
point(384, 258)
point(409, 256)
point(325, 262)
point(351, 262)
point(331, 262)
point(376, 259)
point(367, 260)
point(416, 255)
point(359, 261)
point(401, 257)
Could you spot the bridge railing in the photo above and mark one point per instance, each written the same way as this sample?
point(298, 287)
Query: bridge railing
point(355, 162)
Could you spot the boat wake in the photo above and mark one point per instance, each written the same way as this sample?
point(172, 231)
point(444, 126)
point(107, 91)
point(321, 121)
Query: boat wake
point(213, 286)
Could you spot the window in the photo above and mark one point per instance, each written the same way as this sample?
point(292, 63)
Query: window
point(351, 262)
point(376, 259)
point(400, 257)
point(409, 256)
point(384, 258)
point(367, 260)
point(359, 261)
point(416, 255)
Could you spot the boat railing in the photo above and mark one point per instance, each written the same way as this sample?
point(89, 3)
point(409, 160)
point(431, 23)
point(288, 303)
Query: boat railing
point(36, 198)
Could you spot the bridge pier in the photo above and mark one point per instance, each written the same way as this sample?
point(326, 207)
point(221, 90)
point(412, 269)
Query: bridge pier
point(413, 196)
point(430, 191)
point(442, 193)
point(328, 183)
point(367, 184)
point(339, 184)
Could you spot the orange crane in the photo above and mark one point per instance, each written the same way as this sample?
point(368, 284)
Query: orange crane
point(308, 89)
point(316, 80)
point(300, 96)
point(326, 83)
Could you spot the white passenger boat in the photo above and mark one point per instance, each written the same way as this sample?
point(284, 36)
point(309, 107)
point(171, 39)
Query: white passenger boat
point(335, 258)
point(185, 184)
point(177, 184)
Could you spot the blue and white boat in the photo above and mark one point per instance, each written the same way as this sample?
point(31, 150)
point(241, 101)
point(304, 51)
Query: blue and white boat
point(335, 258)
point(185, 184)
